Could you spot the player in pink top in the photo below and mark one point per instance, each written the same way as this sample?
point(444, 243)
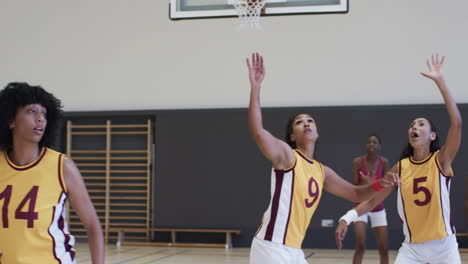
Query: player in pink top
point(367, 169)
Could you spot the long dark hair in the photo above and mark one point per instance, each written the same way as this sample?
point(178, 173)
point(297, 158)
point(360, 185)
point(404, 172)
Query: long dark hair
point(408, 151)
point(289, 130)
point(16, 95)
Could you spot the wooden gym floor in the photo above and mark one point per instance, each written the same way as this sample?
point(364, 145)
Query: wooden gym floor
point(167, 255)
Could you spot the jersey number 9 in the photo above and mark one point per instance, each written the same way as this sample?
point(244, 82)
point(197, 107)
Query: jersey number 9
point(314, 193)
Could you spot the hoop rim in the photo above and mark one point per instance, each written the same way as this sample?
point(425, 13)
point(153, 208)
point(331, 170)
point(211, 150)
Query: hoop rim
point(230, 2)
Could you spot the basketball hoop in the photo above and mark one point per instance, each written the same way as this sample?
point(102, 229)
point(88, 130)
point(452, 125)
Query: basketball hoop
point(249, 11)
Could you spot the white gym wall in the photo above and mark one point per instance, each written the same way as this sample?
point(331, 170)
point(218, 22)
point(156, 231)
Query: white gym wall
point(127, 54)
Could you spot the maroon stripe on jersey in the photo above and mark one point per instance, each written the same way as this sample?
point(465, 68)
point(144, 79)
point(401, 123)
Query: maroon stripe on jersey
point(421, 161)
point(61, 224)
point(62, 184)
point(403, 203)
point(275, 205)
point(53, 240)
point(452, 226)
point(304, 157)
point(441, 203)
point(61, 227)
point(13, 166)
point(447, 184)
point(290, 209)
point(67, 243)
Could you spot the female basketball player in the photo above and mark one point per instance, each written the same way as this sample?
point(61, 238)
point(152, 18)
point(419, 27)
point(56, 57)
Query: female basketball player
point(36, 181)
point(298, 181)
point(365, 170)
point(423, 197)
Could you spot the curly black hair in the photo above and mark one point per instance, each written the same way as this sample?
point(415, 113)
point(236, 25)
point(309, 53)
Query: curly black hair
point(408, 151)
point(20, 94)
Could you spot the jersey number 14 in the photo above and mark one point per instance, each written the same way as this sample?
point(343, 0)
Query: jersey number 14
point(30, 215)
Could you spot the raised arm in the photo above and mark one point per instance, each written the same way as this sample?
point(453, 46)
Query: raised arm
point(452, 143)
point(80, 201)
point(280, 154)
point(339, 187)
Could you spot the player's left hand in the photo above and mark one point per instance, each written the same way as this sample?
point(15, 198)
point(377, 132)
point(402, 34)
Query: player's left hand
point(340, 233)
point(256, 70)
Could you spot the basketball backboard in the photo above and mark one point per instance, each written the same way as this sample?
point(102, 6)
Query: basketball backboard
point(185, 9)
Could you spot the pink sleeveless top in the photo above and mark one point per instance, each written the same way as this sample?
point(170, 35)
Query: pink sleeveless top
point(378, 175)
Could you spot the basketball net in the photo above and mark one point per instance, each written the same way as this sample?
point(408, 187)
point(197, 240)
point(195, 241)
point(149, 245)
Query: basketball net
point(249, 12)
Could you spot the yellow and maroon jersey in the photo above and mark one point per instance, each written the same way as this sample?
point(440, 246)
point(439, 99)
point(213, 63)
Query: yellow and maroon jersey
point(33, 226)
point(423, 199)
point(295, 194)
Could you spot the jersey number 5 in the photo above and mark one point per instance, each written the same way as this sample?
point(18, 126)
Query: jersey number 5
point(314, 193)
point(417, 189)
point(29, 215)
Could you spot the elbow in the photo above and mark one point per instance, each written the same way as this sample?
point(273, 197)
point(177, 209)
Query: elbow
point(256, 135)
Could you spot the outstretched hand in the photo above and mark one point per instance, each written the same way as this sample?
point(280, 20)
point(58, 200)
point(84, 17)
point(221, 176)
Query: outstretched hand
point(340, 233)
point(256, 70)
point(435, 66)
point(369, 178)
point(390, 179)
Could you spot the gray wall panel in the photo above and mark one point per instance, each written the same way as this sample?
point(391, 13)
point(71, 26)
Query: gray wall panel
point(210, 174)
